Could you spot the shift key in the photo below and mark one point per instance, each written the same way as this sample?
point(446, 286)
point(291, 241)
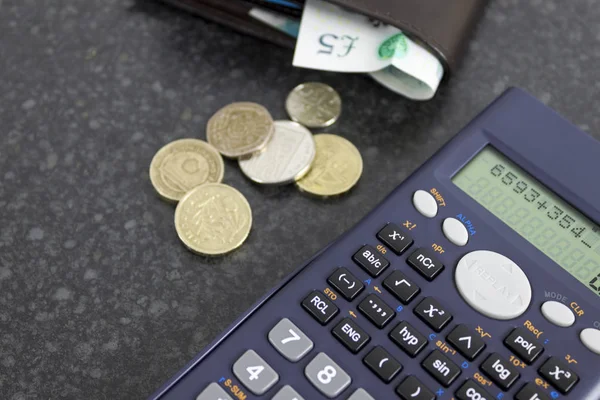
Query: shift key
point(320, 307)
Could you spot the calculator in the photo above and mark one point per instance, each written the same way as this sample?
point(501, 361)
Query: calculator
point(477, 278)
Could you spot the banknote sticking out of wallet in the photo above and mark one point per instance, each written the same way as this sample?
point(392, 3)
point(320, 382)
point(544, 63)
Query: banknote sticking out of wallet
point(408, 46)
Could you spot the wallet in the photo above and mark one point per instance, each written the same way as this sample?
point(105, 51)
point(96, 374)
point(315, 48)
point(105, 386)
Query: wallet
point(443, 26)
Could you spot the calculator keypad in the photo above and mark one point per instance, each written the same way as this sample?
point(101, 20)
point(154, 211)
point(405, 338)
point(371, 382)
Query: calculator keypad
point(255, 373)
point(443, 360)
point(213, 392)
point(328, 377)
point(289, 340)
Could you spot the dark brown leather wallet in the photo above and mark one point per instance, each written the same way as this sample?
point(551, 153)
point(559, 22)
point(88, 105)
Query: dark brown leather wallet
point(442, 25)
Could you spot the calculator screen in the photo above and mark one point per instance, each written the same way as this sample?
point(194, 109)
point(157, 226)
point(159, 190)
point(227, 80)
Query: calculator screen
point(535, 212)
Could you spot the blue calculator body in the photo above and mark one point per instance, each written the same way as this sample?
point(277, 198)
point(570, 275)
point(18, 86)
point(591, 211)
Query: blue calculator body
point(477, 278)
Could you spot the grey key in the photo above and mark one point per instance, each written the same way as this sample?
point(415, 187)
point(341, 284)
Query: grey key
point(327, 376)
point(289, 340)
point(255, 373)
point(287, 393)
point(213, 392)
point(361, 394)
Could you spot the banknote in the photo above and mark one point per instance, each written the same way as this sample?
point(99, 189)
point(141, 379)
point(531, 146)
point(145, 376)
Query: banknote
point(332, 38)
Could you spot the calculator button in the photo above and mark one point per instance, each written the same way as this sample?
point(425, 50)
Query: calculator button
point(213, 392)
point(255, 373)
point(471, 390)
point(370, 260)
point(559, 376)
point(425, 263)
point(376, 310)
point(478, 276)
point(347, 284)
point(412, 389)
point(287, 393)
point(500, 371)
point(531, 392)
point(425, 203)
point(289, 340)
point(320, 307)
point(524, 344)
point(466, 342)
point(591, 339)
point(401, 287)
point(558, 313)
point(433, 314)
point(408, 338)
point(361, 394)
point(382, 364)
point(395, 238)
point(327, 376)
point(351, 335)
point(455, 232)
point(441, 368)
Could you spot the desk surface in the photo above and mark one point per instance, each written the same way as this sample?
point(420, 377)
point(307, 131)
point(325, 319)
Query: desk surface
point(97, 295)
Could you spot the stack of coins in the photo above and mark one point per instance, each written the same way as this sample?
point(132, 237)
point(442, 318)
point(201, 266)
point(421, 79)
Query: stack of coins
point(212, 218)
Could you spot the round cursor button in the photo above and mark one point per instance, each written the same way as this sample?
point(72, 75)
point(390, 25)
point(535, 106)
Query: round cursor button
point(493, 284)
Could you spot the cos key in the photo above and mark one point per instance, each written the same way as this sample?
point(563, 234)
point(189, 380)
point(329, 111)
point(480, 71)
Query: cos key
point(471, 391)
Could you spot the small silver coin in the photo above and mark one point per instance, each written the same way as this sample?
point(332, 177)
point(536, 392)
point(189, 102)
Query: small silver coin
point(287, 157)
point(314, 104)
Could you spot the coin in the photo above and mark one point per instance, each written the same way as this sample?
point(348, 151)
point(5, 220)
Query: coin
point(314, 104)
point(240, 129)
point(287, 157)
point(213, 219)
point(182, 165)
point(336, 168)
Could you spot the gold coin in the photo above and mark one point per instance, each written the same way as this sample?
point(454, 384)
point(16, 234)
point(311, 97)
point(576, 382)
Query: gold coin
point(314, 104)
point(213, 219)
point(184, 164)
point(240, 129)
point(336, 168)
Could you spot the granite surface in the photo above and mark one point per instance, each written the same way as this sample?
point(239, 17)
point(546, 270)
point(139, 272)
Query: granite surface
point(98, 299)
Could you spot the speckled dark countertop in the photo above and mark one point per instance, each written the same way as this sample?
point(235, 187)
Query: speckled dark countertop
point(98, 299)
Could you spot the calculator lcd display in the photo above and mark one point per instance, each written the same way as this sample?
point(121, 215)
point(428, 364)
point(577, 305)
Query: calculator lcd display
point(535, 212)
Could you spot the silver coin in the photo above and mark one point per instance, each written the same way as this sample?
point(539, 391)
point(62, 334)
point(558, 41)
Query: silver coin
point(287, 157)
point(314, 104)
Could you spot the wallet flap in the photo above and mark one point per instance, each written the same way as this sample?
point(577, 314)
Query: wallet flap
point(443, 25)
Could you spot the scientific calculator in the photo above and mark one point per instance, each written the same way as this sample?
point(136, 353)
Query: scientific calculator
point(478, 278)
